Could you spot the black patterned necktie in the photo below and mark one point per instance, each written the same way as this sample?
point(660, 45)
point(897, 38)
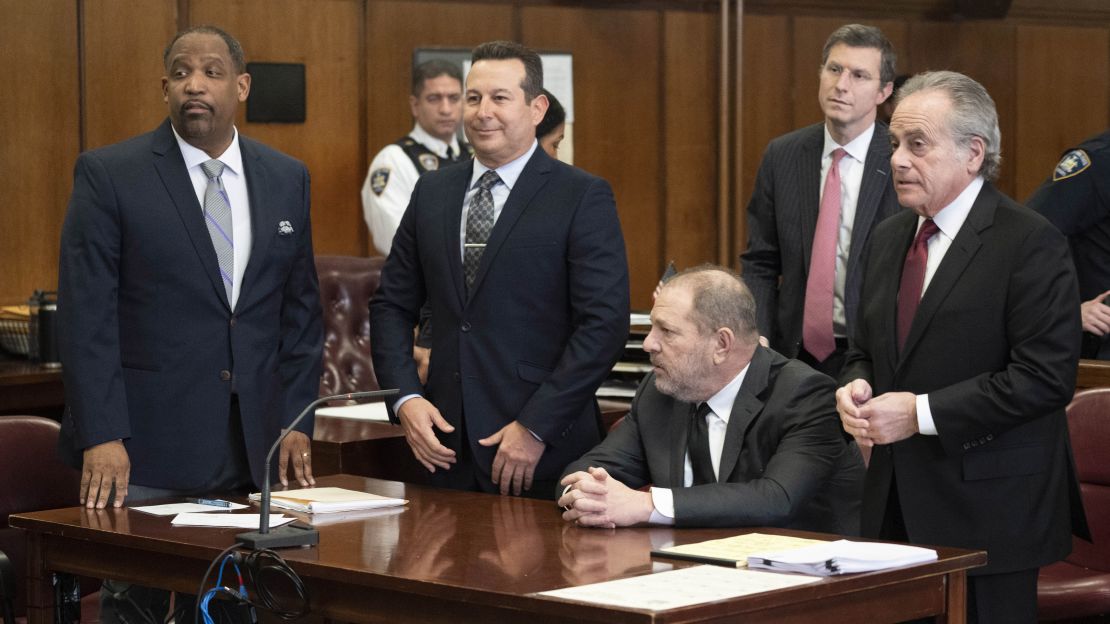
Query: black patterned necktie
point(698, 446)
point(479, 222)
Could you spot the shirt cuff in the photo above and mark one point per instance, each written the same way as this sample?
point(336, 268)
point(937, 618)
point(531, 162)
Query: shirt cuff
point(401, 401)
point(663, 501)
point(925, 424)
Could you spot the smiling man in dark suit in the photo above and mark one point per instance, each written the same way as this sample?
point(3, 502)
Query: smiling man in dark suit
point(965, 356)
point(728, 433)
point(522, 261)
point(819, 192)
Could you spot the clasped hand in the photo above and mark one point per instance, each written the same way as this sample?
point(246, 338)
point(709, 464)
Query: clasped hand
point(871, 420)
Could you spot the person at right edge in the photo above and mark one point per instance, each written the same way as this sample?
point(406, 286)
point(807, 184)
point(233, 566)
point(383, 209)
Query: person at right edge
point(965, 356)
point(1076, 199)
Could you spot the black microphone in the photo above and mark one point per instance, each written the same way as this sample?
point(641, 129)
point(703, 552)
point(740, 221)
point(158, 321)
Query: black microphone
point(288, 535)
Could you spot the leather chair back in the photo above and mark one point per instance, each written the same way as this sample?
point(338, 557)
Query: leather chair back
point(1089, 427)
point(346, 285)
point(32, 478)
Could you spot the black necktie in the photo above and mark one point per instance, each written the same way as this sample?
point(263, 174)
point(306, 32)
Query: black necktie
point(698, 446)
point(449, 156)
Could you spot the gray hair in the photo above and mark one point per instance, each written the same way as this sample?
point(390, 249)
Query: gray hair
point(860, 36)
point(973, 113)
point(721, 299)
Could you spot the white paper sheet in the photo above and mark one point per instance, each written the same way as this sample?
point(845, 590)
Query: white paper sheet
point(679, 588)
point(172, 509)
point(363, 411)
point(238, 521)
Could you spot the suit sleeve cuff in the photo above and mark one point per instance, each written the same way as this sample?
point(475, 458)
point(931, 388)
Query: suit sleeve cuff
point(925, 424)
point(663, 501)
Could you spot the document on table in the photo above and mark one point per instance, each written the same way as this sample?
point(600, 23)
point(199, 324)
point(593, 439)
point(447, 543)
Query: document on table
point(842, 557)
point(328, 500)
point(363, 411)
point(172, 509)
point(679, 588)
point(734, 551)
point(238, 521)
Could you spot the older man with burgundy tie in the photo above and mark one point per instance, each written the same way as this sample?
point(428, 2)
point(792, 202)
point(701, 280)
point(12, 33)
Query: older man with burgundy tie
point(964, 357)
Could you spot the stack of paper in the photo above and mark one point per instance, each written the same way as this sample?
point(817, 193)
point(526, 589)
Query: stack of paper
point(733, 551)
point(328, 500)
point(841, 557)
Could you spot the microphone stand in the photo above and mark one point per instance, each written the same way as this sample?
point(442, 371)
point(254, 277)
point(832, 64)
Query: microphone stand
point(289, 535)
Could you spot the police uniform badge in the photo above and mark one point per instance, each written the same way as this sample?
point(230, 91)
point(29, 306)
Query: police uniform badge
point(378, 179)
point(430, 162)
point(1075, 161)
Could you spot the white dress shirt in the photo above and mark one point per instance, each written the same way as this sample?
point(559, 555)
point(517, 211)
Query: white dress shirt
point(720, 405)
point(235, 184)
point(949, 220)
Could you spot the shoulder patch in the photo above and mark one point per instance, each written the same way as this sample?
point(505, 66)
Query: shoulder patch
point(378, 179)
point(1075, 161)
point(430, 162)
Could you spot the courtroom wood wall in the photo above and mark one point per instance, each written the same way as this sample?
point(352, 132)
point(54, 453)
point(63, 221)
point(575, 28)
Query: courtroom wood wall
point(86, 73)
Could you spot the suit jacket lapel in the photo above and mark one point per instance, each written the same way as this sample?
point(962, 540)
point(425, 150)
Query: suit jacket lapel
point(531, 179)
point(744, 410)
point(456, 187)
point(876, 178)
point(263, 218)
point(959, 255)
point(171, 169)
point(809, 187)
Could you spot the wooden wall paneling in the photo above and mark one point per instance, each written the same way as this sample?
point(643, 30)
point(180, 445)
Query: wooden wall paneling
point(393, 30)
point(38, 40)
point(1061, 97)
point(123, 67)
point(766, 103)
point(983, 50)
point(691, 73)
point(324, 35)
point(617, 98)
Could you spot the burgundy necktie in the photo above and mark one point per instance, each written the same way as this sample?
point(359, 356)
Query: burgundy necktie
point(913, 278)
point(817, 321)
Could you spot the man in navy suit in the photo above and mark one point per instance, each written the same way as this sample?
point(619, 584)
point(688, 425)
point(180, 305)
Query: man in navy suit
point(522, 261)
point(188, 304)
point(185, 355)
point(806, 277)
point(965, 356)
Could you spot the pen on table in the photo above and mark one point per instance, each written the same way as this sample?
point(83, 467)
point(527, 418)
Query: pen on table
point(212, 502)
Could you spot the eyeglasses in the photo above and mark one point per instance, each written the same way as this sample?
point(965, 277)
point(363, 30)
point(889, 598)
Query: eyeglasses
point(856, 76)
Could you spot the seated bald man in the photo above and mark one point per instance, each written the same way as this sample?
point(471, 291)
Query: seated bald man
point(727, 433)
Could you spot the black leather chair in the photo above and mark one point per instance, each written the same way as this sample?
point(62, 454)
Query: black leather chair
point(346, 285)
point(1078, 588)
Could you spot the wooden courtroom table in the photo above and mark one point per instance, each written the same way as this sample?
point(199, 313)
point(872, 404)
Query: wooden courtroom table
point(458, 557)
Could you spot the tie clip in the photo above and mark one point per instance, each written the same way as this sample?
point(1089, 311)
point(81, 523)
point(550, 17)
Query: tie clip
point(474, 245)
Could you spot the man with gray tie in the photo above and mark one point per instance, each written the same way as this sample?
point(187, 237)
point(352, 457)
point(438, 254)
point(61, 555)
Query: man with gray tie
point(188, 304)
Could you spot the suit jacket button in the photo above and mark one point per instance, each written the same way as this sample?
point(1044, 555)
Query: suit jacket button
point(225, 375)
point(232, 322)
point(465, 326)
point(990, 436)
point(966, 446)
point(457, 376)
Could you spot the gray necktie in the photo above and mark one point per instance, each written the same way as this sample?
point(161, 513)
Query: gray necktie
point(479, 222)
point(217, 216)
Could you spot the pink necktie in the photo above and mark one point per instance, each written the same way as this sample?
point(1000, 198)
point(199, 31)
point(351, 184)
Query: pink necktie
point(817, 322)
point(913, 278)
